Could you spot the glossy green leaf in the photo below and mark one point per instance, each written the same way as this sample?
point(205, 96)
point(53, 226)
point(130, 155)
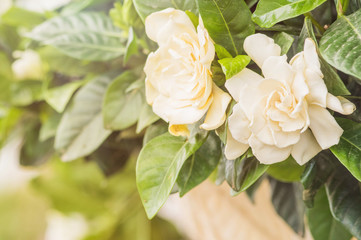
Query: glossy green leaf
point(286, 199)
point(321, 222)
point(146, 117)
point(155, 130)
point(232, 66)
point(341, 44)
point(158, 166)
point(286, 171)
point(344, 196)
point(87, 36)
point(284, 40)
point(348, 150)
point(200, 165)
point(145, 7)
point(81, 129)
point(59, 97)
point(222, 52)
point(227, 21)
point(332, 80)
point(121, 108)
point(243, 172)
point(270, 12)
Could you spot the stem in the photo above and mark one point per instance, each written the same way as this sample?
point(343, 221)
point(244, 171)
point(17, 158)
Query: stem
point(341, 7)
point(314, 22)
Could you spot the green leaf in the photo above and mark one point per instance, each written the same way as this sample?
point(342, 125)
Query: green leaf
point(227, 21)
point(286, 171)
point(132, 47)
point(284, 40)
point(154, 131)
point(341, 44)
point(87, 36)
point(121, 108)
point(19, 17)
point(333, 82)
point(222, 52)
point(243, 172)
point(49, 126)
point(348, 150)
point(59, 97)
point(26, 92)
point(270, 12)
point(81, 129)
point(286, 199)
point(321, 222)
point(146, 7)
point(193, 18)
point(158, 166)
point(200, 165)
point(146, 117)
point(344, 196)
point(232, 66)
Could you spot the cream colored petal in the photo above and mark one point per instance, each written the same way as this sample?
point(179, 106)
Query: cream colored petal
point(234, 149)
point(179, 130)
point(340, 104)
point(260, 47)
point(160, 26)
point(317, 88)
point(216, 114)
point(306, 148)
point(244, 78)
point(207, 50)
point(324, 127)
point(268, 154)
point(293, 124)
point(238, 124)
point(150, 92)
point(276, 67)
point(285, 139)
point(311, 57)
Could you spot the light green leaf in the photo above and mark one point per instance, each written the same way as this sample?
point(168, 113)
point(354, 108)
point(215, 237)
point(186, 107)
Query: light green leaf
point(232, 66)
point(333, 82)
point(121, 108)
point(348, 150)
point(59, 97)
point(227, 21)
point(270, 12)
point(321, 222)
point(146, 117)
point(200, 165)
point(146, 7)
point(86, 36)
point(286, 171)
point(222, 52)
point(341, 44)
point(243, 172)
point(26, 92)
point(284, 40)
point(193, 18)
point(20, 17)
point(158, 166)
point(344, 196)
point(81, 129)
point(132, 47)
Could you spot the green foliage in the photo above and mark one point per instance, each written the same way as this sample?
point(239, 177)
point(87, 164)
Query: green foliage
point(284, 40)
point(232, 66)
point(228, 22)
point(286, 171)
point(20, 17)
point(270, 12)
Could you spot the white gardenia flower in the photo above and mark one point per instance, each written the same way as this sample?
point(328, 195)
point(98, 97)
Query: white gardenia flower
point(284, 112)
point(178, 81)
point(28, 65)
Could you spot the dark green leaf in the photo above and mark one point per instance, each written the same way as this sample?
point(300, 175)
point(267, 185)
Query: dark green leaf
point(321, 222)
point(270, 12)
point(232, 66)
point(348, 150)
point(200, 165)
point(227, 21)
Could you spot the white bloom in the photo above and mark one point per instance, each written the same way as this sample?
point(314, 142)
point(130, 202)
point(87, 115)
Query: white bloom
point(283, 112)
point(179, 82)
point(28, 65)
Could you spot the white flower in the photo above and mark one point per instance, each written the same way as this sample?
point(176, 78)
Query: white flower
point(283, 112)
point(179, 82)
point(28, 65)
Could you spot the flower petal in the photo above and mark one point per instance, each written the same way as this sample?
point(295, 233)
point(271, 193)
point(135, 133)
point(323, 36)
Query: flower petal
point(276, 67)
point(244, 78)
point(179, 130)
point(260, 47)
point(234, 149)
point(216, 114)
point(238, 124)
point(324, 127)
point(306, 148)
point(317, 87)
point(268, 154)
point(311, 57)
point(340, 104)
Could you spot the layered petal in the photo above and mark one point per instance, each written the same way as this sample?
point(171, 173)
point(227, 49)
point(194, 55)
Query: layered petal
point(238, 124)
point(233, 148)
point(276, 67)
point(306, 148)
point(260, 47)
point(216, 114)
point(179, 130)
point(324, 127)
point(311, 56)
point(340, 104)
